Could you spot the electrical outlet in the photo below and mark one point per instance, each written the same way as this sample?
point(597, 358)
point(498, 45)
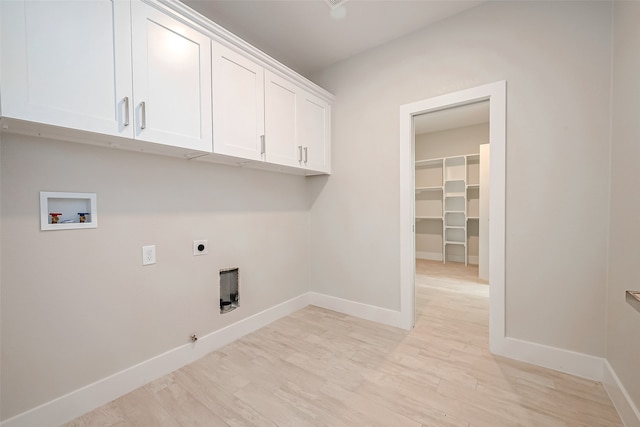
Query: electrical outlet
point(200, 247)
point(149, 255)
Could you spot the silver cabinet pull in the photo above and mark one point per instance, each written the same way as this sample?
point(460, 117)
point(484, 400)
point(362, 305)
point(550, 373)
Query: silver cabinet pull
point(143, 115)
point(300, 153)
point(305, 154)
point(126, 111)
point(263, 147)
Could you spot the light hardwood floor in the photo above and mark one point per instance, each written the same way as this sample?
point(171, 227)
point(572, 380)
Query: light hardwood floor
point(321, 368)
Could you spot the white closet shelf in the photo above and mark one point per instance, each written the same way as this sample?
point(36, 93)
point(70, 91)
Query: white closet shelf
point(448, 212)
point(421, 189)
point(475, 156)
point(473, 185)
point(449, 242)
point(428, 162)
point(456, 194)
point(418, 218)
point(473, 218)
point(459, 227)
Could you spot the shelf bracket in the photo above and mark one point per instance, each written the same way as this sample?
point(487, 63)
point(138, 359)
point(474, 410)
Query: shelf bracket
point(633, 298)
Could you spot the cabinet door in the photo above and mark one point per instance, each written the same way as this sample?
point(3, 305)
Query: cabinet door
point(171, 80)
point(314, 132)
point(67, 63)
point(280, 121)
point(238, 104)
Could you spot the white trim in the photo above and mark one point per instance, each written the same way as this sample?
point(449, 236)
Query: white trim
point(437, 256)
point(627, 410)
point(85, 399)
point(496, 94)
point(432, 256)
point(455, 258)
point(357, 309)
point(558, 359)
point(407, 215)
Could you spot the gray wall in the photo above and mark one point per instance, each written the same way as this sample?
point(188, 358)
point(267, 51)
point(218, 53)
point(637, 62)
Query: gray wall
point(556, 59)
point(78, 306)
point(451, 142)
point(623, 322)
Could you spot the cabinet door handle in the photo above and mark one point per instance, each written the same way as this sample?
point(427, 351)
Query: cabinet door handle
point(263, 145)
point(143, 115)
point(305, 154)
point(300, 153)
point(126, 111)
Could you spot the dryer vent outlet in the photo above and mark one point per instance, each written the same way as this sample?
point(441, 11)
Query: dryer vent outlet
point(229, 290)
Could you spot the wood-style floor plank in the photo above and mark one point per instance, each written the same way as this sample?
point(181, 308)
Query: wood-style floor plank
point(321, 368)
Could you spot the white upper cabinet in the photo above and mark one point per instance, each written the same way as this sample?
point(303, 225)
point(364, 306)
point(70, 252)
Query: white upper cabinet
point(67, 63)
point(171, 80)
point(297, 126)
point(238, 105)
point(160, 77)
point(281, 109)
point(314, 132)
point(259, 115)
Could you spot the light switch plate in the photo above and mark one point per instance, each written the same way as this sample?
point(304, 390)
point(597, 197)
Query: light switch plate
point(149, 255)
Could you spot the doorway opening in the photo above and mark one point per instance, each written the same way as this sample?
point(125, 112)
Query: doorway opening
point(495, 95)
point(451, 157)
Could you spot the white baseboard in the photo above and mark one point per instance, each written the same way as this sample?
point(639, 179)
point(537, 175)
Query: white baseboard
point(433, 256)
point(85, 399)
point(627, 410)
point(578, 364)
point(455, 258)
point(567, 361)
point(357, 309)
point(437, 256)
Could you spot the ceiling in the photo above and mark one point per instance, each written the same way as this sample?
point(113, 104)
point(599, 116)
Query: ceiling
point(309, 35)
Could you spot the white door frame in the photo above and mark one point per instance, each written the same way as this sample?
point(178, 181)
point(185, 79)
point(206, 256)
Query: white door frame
point(496, 94)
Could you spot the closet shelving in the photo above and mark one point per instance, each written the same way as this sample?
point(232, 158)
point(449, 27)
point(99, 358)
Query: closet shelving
point(455, 227)
point(429, 189)
point(447, 191)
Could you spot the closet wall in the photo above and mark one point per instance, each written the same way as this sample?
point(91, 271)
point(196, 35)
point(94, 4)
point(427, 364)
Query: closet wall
point(430, 234)
point(623, 322)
